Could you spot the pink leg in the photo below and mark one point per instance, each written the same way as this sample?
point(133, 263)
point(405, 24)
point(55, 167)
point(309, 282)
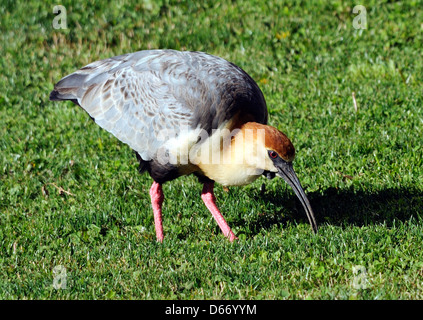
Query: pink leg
point(157, 197)
point(210, 201)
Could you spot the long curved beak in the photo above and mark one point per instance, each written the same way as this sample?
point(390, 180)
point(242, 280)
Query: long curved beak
point(286, 171)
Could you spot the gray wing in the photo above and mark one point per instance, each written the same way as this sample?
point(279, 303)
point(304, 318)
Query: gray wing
point(138, 96)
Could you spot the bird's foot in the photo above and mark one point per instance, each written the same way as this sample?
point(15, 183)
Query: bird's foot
point(232, 237)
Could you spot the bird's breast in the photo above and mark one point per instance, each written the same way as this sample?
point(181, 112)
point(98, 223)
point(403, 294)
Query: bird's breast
point(222, 160)
point(230, 174)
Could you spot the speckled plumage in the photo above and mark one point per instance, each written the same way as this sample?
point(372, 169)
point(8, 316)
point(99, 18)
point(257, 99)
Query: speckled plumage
point(139, 95)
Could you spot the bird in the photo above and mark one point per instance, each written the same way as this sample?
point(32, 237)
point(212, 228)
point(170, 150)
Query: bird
point(186, 112)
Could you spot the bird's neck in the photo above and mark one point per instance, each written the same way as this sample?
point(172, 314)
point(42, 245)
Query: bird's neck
point(232, 157)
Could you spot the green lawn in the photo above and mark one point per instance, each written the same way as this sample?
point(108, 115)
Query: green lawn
point(71, 196)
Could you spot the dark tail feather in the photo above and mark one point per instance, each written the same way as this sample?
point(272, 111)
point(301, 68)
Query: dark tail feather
point(56, 96)
point(68, 88)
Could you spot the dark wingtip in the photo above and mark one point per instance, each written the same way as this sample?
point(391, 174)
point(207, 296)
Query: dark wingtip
point(54, 95)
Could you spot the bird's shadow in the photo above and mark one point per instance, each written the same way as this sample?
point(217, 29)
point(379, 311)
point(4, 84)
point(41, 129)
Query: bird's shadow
point(341, 207)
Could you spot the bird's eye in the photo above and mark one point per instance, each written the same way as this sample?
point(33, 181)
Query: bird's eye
point(273, 154)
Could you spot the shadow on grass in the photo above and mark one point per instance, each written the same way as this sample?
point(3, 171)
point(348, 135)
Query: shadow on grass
point(343, 207)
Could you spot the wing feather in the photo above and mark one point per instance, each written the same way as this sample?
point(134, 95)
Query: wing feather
point(138, 96)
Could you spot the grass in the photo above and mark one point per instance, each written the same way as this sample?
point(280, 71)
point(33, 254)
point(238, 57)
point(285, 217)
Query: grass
point(70, 193)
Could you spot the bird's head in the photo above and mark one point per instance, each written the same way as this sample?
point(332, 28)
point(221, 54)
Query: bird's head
point(275, 153)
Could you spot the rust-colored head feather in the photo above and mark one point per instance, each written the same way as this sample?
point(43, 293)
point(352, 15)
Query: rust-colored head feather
point(274, 140)
point(278, 141)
